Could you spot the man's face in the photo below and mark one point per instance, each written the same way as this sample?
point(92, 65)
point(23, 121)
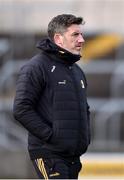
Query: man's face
point(72, 40)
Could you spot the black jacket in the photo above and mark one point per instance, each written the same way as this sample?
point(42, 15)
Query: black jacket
point(51, 103)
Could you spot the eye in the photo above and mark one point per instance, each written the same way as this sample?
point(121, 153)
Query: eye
point(75, 34)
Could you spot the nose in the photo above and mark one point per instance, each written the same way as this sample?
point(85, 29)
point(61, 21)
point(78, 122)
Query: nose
point(81, 39)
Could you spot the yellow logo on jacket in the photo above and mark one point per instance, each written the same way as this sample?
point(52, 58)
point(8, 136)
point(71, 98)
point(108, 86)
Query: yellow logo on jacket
point(54, 174)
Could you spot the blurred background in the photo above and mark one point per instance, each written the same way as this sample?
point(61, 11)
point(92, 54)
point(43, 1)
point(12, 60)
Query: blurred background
point(22, 24)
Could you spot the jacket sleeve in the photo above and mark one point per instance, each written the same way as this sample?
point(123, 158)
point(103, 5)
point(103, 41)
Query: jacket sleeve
point(88, 107)
point(88, 110)
point(28, 90)
point(88, 116)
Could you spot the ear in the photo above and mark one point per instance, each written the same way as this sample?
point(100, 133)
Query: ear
point(58, 39)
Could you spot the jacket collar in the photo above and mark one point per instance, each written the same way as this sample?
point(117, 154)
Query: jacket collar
point(59, 53)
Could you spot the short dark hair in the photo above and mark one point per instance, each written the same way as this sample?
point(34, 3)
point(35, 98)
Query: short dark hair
point(60, 23)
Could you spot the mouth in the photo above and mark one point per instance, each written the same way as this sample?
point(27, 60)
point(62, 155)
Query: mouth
point(78, 47)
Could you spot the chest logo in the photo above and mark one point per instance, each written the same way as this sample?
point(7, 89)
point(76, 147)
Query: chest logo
point(53, 68)
point(82, 84)
point(62, 82)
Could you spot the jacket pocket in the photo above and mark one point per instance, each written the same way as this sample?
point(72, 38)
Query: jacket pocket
point(53, 138)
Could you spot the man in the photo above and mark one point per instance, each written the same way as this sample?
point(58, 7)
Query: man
point(51, 101)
